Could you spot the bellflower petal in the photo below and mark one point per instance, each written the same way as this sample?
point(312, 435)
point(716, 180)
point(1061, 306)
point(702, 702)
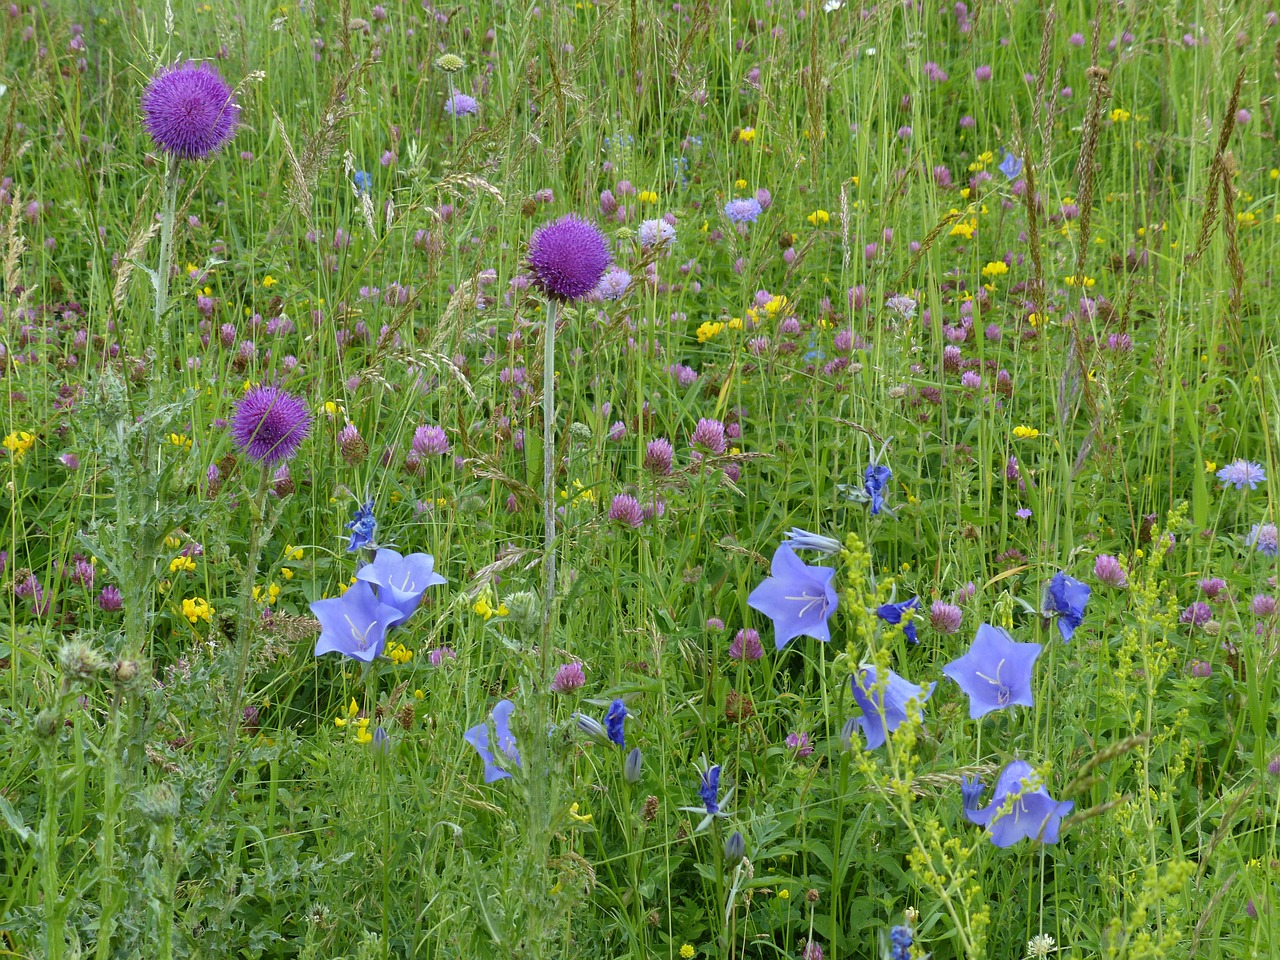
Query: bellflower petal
point(798, 598)
point(503, 750)
point(401, 581)
point(1017, 810)
point(883, 712)
point(996, 672)
point(1067, 597)
point(895, 612)
point(354, 624)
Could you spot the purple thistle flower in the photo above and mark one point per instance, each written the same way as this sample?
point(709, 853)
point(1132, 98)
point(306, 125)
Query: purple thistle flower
point(1108, 570)
point(884, 711)
point(505, 743)
point(996, 672)
point(1017, 811)
point(401, 581)
point(461, 105)
point(798, 598)
point(746, 645)
point(269, 424)
point(658, 455)
point(1238, 473)
point(354, 624)
point(895, 613)
point(614, 721)
point(945, 617)
point(1067, 597)
point(709, 434)
point(188, 110)
point(569, 677)
point(568, 257)
point(626, 510)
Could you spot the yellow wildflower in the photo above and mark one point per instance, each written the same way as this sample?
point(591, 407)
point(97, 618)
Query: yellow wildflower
point(687, 951)
point(1120, 115)
point(1210, 466)
point(746, 134)
point(269, 281)
point(197, 608)
point(180, 440)
point(709, 329)
point(740, 184)
point(996, 268)
point(1022, 432)
point(647, 196)
point(579, 817)
point(1074, 281)
point(819, 216)
point(182, 565)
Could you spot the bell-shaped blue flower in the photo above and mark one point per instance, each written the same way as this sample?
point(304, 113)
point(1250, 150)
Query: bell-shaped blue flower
point(798, 598)
point(1067, 597)
point(502, 753)
point(884, 711)
point(896, 612)
point(996, 672)
point(709, 790)
point(354, 624)
point(401, 581)
point(1020, 809)
point(361, 526)
point(1011, 165)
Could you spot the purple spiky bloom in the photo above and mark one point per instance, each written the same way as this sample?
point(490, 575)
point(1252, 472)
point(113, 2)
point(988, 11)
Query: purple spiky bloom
point(945, 617)
point(189, 110)
point(269, 424)
point(1109, 571)
point(626, 510)
point(430, 441)
point(658, 455)
point(461, 105)
point(568, 257)
point(746, 645)
point(709, 435)
point(569, 677)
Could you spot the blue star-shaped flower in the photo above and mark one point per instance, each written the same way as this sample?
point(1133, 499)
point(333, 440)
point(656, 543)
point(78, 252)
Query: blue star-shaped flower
point(401, 581)
point(613, 723)
point(798, 598)
point(361, 526)
point(884, 711)
point(1017, 811)
point(505, 743)
point(1011, 165)
point(895, 612)
point(1067, 597)
point(996, 672)
point(354, 624)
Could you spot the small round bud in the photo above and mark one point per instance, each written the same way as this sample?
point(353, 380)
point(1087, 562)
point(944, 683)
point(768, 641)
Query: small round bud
point(634, 766)
point(79, 661)
point(449, 63)
point(735, 847)
point(159, 803)
point(124, 671)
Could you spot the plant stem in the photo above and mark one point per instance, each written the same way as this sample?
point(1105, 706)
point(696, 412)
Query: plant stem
point(50, 886)
point(168, 213)
point(244, 618)
point(548, 489)
point(107, 898)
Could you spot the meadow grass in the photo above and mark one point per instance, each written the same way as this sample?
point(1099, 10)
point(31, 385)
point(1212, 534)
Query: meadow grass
point(1021, 255)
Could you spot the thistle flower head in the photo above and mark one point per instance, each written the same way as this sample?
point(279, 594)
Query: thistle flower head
point(269, 424)
point(568, 257)
point(188, 110)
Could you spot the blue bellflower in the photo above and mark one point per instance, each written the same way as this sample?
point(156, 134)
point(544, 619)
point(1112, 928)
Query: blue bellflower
point(896, 612)
point(495, 763)
point(363, 182)
point(401, 581)
point(1011, 165)
point(885, 711)
point(874, 482)
point(613, 723)
point(354, 624)
point(1017, 811)
point(1067, 597)
point(996, 672)
point(361, 526)
point(804, 540)
point(798, 598)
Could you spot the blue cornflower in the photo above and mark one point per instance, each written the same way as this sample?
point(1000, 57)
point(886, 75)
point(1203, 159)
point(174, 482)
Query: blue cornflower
point(897, 612)
point(363, 181)
point(504, 742)
point(996, 672)
point(1020, 809)
point(874, 482)
point(884, 711)
point(1067, 597)
point(743, 210)
point(1238, 473)
point(798, 598)
point(1011, 165)
point(613, 723)
point(362, 526)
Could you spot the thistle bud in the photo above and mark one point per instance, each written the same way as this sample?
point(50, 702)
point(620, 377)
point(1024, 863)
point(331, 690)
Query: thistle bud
point(124, 671)
point(79, 661)
point(159, 803)
point(48, 723)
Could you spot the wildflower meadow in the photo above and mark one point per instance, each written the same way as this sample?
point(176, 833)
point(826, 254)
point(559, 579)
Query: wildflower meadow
point(626, 480)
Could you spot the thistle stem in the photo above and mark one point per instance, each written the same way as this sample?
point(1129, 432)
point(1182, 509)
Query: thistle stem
point(548, 487)
point(244, 617)
point(168, 214)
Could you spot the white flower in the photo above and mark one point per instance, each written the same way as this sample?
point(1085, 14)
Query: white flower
point(832, 5)
point(655, 233)
point(1040, 946)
